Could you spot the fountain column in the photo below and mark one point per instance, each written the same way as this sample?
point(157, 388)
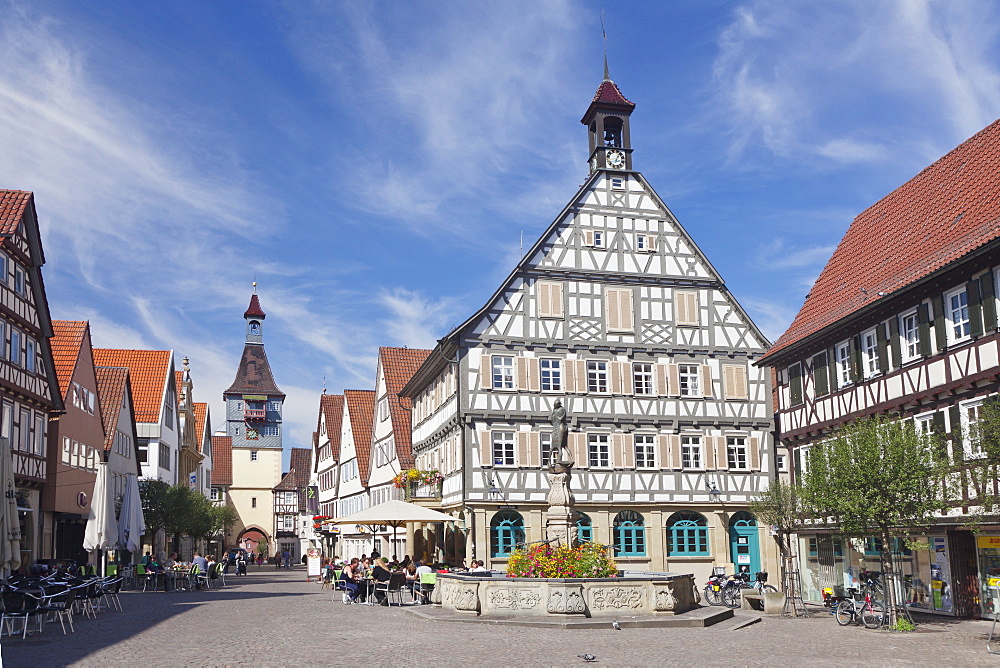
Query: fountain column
point(560, 524)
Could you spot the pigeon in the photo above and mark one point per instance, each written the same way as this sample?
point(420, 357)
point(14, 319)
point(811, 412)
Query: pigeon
point(616, 625)
point(587, 657)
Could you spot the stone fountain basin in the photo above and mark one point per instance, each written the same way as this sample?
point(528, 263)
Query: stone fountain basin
point(630, 595)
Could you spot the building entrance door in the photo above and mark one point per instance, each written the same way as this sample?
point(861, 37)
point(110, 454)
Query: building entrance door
point(744, 548)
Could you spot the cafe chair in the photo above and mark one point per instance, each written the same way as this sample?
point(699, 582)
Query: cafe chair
point(19, 605)
point(394, 585)
point(60, 606)
point(427, 584)
point(216, 572)
point(110, 589)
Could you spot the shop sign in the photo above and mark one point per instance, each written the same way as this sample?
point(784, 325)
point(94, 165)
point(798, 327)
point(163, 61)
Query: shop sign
point(743, 558)
point(988, 541)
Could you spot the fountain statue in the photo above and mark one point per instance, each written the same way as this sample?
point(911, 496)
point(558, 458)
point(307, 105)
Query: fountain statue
point(560, 524)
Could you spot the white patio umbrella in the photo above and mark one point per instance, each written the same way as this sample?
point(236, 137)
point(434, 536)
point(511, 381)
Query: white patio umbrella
point(131, 523)
point(102, 528)
point(10, 525)
point(393, 513)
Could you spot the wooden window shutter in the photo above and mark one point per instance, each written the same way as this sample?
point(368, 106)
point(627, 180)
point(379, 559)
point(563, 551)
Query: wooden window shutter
point(580, 450)
point(522, 448)
point(532, 374)
point(957, 440)
point(626, 317)
point(581, 376)
point(924, 329)
point(588, 237)
point(544, 300)
point(612, 309)
point(721, 460)
point(795, 384)
point(521, 379)
point(673, 457)
point(618, 450)
point(820, 374)
point(833, 371)
point(706, 380)
point(895, 345)
point(857, 373)
point(673, 380)
point(485, 449)
point(739, 382)
point(660, 385)
point(686, 307)
point(486, 373)
point(975, 309)
point(692, 308)
point(616, 378)
point(628, 451)
point(569, 377)
point(988, 292)
point(708, 452)
point(754, 445)
point(940, 334)
point(556, 299)
point(882, 347)
point(534, 449)
point(625, 369)
point(651, 242)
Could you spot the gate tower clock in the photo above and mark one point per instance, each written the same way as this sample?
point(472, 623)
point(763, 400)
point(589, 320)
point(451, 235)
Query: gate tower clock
point(607, 120)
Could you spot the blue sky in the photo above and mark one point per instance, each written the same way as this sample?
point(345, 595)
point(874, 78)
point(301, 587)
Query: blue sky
point(374, 164)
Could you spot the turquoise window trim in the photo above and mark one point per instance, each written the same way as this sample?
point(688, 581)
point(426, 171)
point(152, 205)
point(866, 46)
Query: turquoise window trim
point(629, 534)
point(687, 535)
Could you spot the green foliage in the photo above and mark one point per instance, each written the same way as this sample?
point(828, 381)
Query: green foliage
point(903, 624)
point(588, 560)
point(223, 519)
point(876, 476)
point(778, 506)
point(179, 510)
point(154, 495)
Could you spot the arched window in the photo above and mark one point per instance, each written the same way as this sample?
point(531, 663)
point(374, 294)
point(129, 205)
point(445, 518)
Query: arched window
point(254, 327)
point(742, 519)
point(584, 528)
point(630, 534)
point(687, 535)
point(506, 532)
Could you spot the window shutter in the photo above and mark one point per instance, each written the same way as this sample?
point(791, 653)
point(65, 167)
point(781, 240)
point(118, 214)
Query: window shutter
point(628, 451)
point(486, 373)
point(882, 347)
point(686, 307)
point(857, 373)
point(924, 329)
point(588, 237)
point(975, 309)
point(582, 460)
point(612, 309)
point(675, 452)
point(616, 378)
point(940, 335)
point(957, 439)
point(660, 386)
point(832, 372)
point(532, 374)
point(820, 374)
point(795, 384)
point(708, 452)
point(534, 449)
point(485, 449)
point(626, 373)
point(618, 450)
point(651, 242)
point(569, 377)
point(522, 448)
point(706, 380)
point(544, 300)
point(673, 380)
point(988, 292)
point(556, 299)
point(721, 460)
point(521, 378)
point(895, 345)
point(581, 376)
point(626, 312)
point(754, 445)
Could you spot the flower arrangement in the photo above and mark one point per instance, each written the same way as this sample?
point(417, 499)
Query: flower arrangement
point(588, 560)
point(318, 521)
point(417, 477)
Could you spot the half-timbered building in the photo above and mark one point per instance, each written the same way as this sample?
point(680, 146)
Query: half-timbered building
point(28, 382)
point(903, 320)
point(617, 313)
point(353, 469)
point(292, 529)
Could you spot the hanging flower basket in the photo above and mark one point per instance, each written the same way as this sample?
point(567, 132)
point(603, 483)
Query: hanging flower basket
point(417, 477)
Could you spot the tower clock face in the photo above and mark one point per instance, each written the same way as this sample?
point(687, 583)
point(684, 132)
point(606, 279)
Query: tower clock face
point(615, 159)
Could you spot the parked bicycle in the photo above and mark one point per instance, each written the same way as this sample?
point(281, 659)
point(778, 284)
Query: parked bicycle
point(732, 595)
point(713, 590)
point(870, 611)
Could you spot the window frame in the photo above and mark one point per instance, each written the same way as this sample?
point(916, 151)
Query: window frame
point(629, 534)
point(502, 452)
point(550, 379)
point(648, 447)
point(599, 451)
point(597, 376)
point(687, 535)
point(684, 377)
point(869, 352)
point(506, 532)
point(498, 380)
point(962, 308)
point(904, 332)
point(694, 457)
point(737, 453)
point(842, 355)
point(640, 379)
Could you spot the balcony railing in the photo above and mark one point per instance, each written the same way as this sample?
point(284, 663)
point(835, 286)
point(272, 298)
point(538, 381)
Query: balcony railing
point(414, 490)
point(254, 414)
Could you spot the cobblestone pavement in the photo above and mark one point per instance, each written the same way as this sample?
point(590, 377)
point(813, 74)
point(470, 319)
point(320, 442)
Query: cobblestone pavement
point(275, 618)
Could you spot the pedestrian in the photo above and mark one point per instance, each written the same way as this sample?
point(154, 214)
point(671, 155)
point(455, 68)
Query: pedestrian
point(286, 557)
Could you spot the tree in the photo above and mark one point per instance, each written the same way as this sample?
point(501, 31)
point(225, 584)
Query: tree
point(155, 506)
point(877, 477)
point(779, 506)
point(224, 517)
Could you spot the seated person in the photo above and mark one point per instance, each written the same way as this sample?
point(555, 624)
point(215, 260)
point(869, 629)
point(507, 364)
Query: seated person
point(477, 567)
point(381, 575)
point(352, 582)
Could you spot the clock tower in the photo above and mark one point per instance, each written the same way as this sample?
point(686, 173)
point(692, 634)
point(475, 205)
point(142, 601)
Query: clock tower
point(607, 124)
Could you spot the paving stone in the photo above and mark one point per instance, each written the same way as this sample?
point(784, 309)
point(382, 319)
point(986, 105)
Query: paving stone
point(276, 618)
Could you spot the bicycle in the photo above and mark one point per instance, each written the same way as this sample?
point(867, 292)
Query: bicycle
point(870, 612)
point(713, 590)
point(732, 593)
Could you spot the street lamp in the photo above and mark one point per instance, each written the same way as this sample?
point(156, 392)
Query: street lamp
point(713, 493)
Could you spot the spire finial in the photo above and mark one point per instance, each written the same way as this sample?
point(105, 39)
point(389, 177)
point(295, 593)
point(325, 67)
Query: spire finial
point(324, 383)
point(604, 34)
point(255, 278)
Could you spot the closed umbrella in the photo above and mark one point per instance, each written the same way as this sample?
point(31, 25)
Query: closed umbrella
point(131, 523)
point(102, 528)
point(10, 525)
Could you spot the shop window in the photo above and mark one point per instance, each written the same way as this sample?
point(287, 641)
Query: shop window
point(687, 535)
point(629, 534)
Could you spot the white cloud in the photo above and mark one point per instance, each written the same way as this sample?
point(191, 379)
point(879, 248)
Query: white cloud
point(778, 256)
point(771, 317)
point(416, 321)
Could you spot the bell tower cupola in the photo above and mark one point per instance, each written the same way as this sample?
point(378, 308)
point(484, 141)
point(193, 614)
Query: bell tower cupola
point(254, 316)
point(607, 127)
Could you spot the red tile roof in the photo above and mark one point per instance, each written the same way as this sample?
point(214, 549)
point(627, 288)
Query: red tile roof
point(398, 366)
point(67, 341)
point(946, 211)
point(254, 310)
point(254, 374)
point(299, 462)
point(287, 483)
point(331, 407)
point(112, 385)
point(608, 93)
point(149, 373)
point(222, 461)
point(12, 206)
point(361, 412)
point(179, 382)
point(201, 422)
